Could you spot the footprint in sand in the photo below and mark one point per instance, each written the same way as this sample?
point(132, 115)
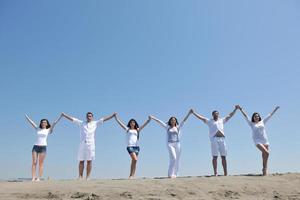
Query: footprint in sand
point(127, 195)
point(85, 196)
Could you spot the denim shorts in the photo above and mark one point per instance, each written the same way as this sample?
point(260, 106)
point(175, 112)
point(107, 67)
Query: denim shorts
point(39, 149)
point(135, 150)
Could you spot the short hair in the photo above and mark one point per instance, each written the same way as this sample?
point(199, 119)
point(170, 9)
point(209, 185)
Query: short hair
point(89, 113)
point(213, 112)
point(48, 124)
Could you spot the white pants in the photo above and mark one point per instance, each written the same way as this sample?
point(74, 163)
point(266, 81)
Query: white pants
point(218, 145)
point(86, 151)
point(174, 154)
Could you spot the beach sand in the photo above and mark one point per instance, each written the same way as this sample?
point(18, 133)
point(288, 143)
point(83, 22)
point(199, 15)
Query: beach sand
point(274, 186)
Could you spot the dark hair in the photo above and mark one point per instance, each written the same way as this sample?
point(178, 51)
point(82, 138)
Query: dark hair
point(252, 119)
point(136, 126)
point(169, 122)
point(48, 124)
point(89, 113)
point(213, 112)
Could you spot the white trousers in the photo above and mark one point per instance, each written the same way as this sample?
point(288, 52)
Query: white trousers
point(174, 154)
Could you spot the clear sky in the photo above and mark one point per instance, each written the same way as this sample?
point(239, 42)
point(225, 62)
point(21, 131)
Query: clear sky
point(148, 57)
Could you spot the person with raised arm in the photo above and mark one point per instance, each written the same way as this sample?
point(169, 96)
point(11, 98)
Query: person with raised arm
point(132, 131)
point(217, 137)
point(259, 134)
point(87, 147)
point(40, 147)
point(173, 129)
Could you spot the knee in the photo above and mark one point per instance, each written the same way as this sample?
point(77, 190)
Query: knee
point(223, 158)
point(34, 162)
point(215, 158)
point(267, 153)
point(134, 160)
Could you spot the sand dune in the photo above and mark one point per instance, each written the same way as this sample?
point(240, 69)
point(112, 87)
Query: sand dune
point(276, 186)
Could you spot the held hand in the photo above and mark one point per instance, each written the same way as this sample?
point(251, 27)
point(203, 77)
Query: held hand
point(192, 111)
point(277, 107)
point(238, 107)
point(149, 118)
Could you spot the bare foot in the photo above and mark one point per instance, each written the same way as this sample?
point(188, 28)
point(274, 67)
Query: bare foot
point(264, 171)
point(130, 177)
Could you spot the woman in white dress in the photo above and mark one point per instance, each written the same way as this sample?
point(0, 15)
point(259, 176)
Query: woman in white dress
point(40, 147)
point(132, 131)
point(259, 135)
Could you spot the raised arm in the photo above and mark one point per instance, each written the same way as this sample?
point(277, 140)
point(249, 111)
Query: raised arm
point(31, 122)
point(67, 116)
point(146, 122)
point(199, 116)
point(270, 115)
point(244, 113)
point(231, 114)
point(120, 122)
point(184, 119)
point(54, 123)
point(109, 117)
point(159, 121)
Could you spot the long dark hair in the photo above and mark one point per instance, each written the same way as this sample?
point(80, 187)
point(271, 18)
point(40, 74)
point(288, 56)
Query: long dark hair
point(252, 119)
point(169, 122)
point(136, 126)
point(48, 124)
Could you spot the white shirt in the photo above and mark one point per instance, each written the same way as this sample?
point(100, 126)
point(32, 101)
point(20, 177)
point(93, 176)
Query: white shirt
point(87, 130)
point(259, 134)
point(131, 137)
point(42, 135)
point(215, 126)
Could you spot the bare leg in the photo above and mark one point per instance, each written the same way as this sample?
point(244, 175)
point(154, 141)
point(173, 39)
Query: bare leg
point(214, 163)
point(265, 155)
point(88, 169)
point(41, 164)
point(33, 167)
point(224, 164)
point(81, 168)
point(133, 164)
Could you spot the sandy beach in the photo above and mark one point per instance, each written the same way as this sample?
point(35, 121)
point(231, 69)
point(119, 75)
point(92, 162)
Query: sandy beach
point(274, 186)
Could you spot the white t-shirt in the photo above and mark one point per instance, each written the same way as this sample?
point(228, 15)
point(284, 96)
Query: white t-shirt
point(87, 130)
point(215, 126)
point(131, 137)
point(42, 135)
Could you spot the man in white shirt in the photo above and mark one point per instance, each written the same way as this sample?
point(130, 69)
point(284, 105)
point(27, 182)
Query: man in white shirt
point(217, 137)
point(86, 150)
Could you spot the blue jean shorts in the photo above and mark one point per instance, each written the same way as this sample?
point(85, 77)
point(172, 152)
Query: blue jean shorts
point(135, 150)
point(39, 149)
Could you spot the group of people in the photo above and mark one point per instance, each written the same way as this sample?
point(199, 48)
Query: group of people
point(132, 131)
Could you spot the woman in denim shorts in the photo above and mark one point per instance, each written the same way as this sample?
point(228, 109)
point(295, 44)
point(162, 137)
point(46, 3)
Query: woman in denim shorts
point(132, 136)
point(40, 147)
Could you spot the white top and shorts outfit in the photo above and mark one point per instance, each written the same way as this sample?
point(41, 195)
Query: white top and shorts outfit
point(41, 143)
point(218, 144)
point(132, 141)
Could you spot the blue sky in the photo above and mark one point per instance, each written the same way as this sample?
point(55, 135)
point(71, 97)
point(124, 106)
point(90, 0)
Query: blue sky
point(148, 57)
